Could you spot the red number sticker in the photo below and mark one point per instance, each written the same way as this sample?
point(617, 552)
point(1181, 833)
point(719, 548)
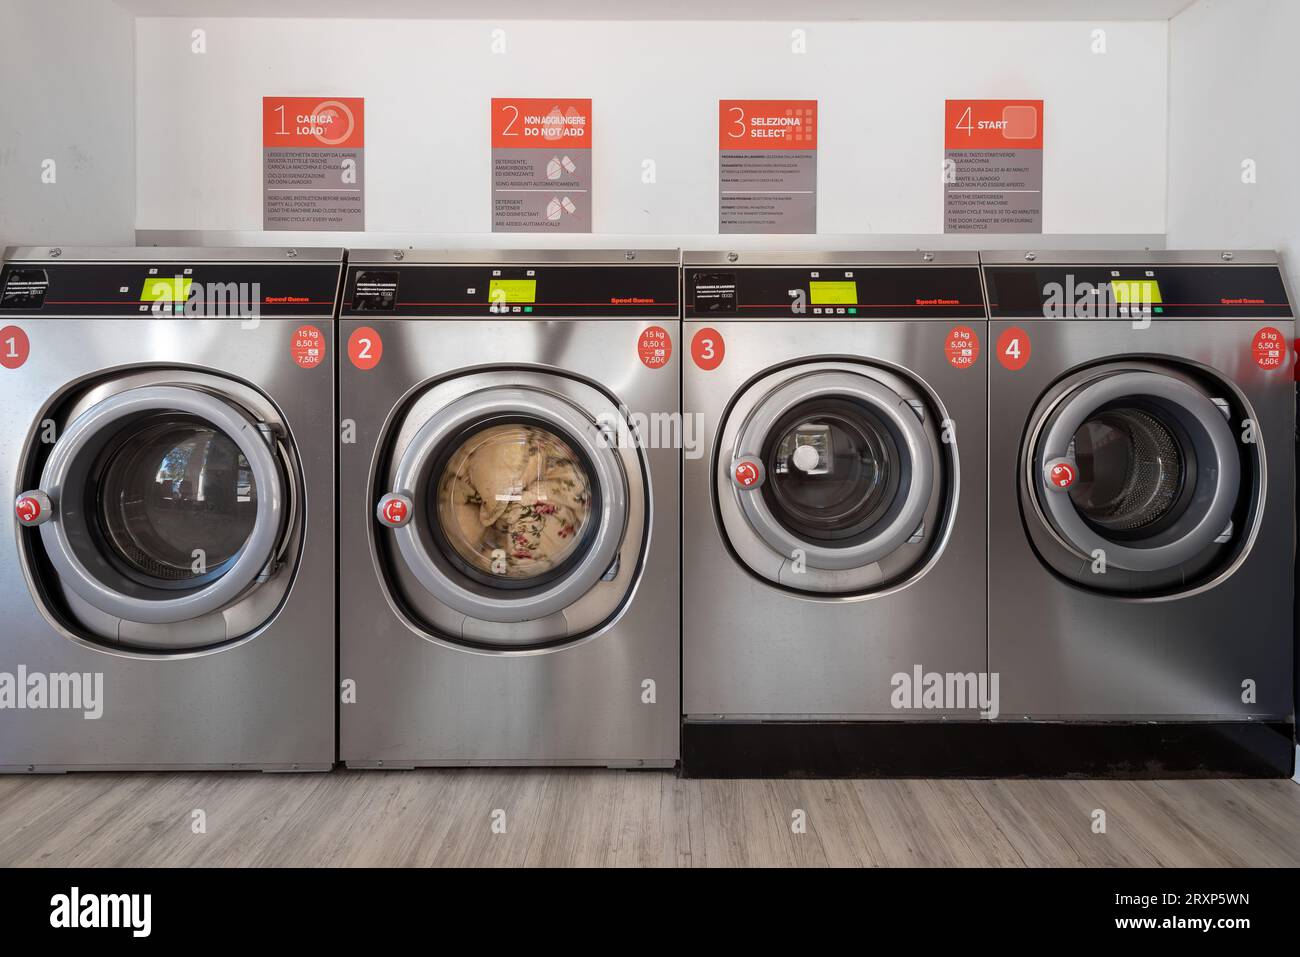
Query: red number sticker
point(365, 348)
point(308, 347)
point(962, 347)
point(655, 347)
point(14, 347)
point(1269, 349)
point(1013, 348)
point(708, 348)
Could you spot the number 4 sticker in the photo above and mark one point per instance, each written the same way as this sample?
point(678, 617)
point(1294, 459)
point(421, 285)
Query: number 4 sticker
point(1014, 348)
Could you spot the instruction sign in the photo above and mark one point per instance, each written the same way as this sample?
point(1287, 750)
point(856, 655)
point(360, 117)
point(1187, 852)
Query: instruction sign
point(313, 167)
point(541, 166)
point(993, 166)
point(767, 166)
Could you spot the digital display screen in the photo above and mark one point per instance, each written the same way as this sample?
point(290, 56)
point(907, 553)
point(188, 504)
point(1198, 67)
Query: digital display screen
point(512, 290)
point(166, 289)
point(1139, 292)
point(833, 293)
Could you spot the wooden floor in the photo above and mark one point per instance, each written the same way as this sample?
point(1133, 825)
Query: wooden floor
point(591, 817)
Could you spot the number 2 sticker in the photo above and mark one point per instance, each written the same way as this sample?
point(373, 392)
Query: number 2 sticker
point(708, 348)
point(1013, 348)
point(365, 348)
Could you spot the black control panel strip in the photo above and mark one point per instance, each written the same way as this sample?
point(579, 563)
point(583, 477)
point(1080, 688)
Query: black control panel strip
point(838, 292)
point(1149, 291)
point(224, 290)
point(513, 290)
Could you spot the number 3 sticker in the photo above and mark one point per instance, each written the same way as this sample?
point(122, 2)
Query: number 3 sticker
point(1013, 348)
point(708, 348)
point(365, 348)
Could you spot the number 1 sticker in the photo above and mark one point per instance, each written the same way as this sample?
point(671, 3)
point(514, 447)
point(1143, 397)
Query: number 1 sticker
point(708, 348)
point(1013, 348)
point(365, 348)
point(14, 347)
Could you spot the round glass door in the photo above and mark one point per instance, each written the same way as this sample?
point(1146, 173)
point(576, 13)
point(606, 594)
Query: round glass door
point(513, 505)
point(833, 469)
point(507, 514)
point(1132, 470)
point(170, 502)
point(1140, 467)
point(831, 478)
point(171, 489)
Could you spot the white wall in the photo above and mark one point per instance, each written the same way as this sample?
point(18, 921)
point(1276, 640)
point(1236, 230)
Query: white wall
point(1234, 78)
point(67, 82)
point(655, 85)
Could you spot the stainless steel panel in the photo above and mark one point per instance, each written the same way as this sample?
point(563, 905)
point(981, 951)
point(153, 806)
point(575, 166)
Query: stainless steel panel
point(1104, 257)
point(562, 257)
point(421, 701)
point(1063, 652)
point(750, 648)
point(165, 254)
point(267, 701)
point(765, 257)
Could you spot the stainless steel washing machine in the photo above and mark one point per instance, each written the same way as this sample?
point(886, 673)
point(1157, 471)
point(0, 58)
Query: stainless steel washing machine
point(1141, 493)
point(168, 579)
point(834, 547)
point(509, 502)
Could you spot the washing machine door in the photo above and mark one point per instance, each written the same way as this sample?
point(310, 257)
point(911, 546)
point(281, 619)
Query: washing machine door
point(515, 511)
point(1136, 473)
point(159, 509)
point(830, 479)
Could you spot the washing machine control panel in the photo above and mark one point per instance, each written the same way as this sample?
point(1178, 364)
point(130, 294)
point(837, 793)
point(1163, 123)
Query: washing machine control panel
point(1127, 292)
point(834, 292)
point(198, 289)
point(514, 290)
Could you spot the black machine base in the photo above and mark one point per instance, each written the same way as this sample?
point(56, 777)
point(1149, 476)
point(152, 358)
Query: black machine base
point(982, 749)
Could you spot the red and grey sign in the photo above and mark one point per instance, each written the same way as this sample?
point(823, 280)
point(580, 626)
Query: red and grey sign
point(313, 163)
point(767, 166)
point(541, 165)
point(993, 166)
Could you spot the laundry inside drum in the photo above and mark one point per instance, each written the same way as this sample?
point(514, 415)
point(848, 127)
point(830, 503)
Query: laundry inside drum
point(1131, 469)
point(514, 501)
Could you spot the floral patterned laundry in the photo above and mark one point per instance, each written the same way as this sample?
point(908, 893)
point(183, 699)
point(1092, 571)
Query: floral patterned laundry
point(513, 500)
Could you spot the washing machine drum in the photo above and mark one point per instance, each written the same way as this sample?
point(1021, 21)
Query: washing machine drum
point(1135, 474)
point(831, 477)
point(513, 515)
point(160, 509)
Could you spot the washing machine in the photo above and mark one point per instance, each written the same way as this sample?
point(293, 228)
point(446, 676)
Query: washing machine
point(833, 548)
point(167, 585)
point(509, 492)
point(1141, 489)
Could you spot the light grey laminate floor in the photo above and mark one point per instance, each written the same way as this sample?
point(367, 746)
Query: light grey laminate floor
point(597, 817)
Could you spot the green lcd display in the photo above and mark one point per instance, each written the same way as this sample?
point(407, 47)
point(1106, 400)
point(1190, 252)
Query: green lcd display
point(833, 293)
point(512, 290)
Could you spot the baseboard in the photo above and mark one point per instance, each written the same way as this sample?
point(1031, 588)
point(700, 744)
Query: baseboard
point(983, 749)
